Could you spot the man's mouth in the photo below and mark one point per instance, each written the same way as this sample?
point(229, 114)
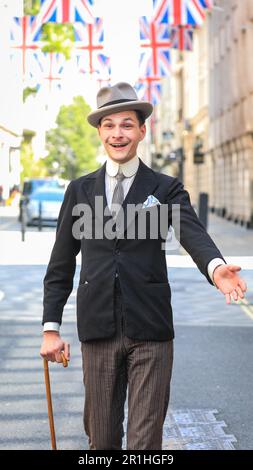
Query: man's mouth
point(118, 146)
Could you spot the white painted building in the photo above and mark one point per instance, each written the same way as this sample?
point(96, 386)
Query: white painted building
point(10, 101)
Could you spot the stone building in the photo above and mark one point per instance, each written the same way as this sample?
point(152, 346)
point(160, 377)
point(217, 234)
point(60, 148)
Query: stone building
point(231, 110)
point(211, 112)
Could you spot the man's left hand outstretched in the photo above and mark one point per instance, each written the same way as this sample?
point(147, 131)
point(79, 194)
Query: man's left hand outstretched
point(229, 282)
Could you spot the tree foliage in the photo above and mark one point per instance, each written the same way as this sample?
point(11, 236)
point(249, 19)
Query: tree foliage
point(31, 7)
point(73, 143)
point(28, 91)
point(31, 168)
point(58, 38)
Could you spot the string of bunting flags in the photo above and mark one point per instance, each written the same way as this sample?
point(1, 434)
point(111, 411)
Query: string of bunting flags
point(171, 26)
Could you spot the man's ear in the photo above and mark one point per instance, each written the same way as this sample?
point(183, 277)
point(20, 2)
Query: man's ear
point(143, 131)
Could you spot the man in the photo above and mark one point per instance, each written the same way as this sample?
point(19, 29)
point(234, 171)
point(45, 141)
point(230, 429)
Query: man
point(124, 315)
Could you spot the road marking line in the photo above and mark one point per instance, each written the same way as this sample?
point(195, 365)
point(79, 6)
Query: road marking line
point(246, 307)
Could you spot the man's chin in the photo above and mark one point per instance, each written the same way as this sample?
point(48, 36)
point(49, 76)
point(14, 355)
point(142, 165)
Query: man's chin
point(120, 158)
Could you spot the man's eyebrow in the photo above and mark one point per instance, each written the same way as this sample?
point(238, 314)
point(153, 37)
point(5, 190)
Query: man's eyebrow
point(124, 120)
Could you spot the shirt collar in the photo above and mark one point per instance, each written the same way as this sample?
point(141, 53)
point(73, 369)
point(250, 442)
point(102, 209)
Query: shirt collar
point(128, 169)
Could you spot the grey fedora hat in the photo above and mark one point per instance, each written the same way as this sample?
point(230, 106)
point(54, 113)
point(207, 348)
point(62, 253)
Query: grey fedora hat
point(117, 98)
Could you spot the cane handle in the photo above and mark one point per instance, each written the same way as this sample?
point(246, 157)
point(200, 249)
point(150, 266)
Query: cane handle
point(64, 360)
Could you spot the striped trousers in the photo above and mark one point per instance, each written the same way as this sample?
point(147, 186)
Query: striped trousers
point(111, 366)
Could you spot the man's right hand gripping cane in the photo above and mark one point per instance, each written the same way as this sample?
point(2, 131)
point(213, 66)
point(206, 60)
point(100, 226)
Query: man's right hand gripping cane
point(53, 346)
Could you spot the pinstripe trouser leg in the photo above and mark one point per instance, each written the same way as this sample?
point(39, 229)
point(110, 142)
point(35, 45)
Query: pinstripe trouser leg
point(109, 366)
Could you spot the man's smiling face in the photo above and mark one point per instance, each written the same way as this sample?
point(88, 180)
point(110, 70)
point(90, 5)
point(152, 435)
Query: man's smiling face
point(120, 134)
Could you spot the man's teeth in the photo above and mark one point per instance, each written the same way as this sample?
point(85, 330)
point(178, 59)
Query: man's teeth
point(118, 145)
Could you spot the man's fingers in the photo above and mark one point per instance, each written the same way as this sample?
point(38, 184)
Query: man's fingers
point(227, 298)
point(242, 285)
point(234, 268)
point(58, 356)
point(234, 295)
point(240, 292)
point(52, 356)
point(49, 357)
point(63, 355)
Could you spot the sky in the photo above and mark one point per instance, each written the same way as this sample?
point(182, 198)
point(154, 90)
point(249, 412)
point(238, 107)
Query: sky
point(121, 31)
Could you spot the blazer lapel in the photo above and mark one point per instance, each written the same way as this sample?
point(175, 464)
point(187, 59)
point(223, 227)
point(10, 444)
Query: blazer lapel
point(95, 189)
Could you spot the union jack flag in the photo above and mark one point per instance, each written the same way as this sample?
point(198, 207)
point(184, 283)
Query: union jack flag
point(64, 11)
point(160, 11)
point(181, 38)
point(89, 48)
point(186, 12)
point(34, 75)
point(103, 68)
point(155, 44)
point(207, 4)
point(149, 89)
point(103, 82)
point(46, 69)
point(26, 31)
point(24, 38)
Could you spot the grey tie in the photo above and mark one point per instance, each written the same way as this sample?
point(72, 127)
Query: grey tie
point(118, 195)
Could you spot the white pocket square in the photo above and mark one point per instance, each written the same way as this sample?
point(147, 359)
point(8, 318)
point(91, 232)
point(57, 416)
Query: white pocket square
point(150, 202)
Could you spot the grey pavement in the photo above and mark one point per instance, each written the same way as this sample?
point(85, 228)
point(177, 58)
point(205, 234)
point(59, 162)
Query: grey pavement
point(232, 239)
point(212, 381)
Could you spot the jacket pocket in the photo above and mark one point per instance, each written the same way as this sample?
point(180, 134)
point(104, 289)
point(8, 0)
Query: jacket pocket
point(82, 298)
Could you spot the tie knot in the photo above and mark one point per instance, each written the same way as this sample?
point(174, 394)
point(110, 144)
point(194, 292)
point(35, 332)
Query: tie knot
point(119, 177)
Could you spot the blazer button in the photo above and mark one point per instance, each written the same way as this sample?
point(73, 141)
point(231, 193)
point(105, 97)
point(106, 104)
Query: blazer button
point(117, 251)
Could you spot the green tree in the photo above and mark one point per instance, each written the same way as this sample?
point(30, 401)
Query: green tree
point(73, 143)
point(30, 168)
point(58, 38)
point(31, 7)
point(29, 91)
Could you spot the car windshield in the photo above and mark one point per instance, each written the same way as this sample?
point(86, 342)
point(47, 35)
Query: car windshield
point(48, 196)
point(34, 185)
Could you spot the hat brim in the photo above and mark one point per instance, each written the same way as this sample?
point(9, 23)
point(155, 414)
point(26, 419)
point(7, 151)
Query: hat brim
point(144, 106)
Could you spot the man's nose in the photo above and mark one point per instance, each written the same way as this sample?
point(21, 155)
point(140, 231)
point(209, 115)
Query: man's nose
point(117, 132)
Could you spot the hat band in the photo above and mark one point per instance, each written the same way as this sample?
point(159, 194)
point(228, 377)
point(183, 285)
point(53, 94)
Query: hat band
point(116, 102)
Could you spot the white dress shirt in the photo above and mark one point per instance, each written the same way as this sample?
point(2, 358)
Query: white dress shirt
point(129, 170)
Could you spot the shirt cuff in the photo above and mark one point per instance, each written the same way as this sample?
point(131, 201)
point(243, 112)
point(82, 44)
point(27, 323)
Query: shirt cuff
point(212, 265)
point(51, 326)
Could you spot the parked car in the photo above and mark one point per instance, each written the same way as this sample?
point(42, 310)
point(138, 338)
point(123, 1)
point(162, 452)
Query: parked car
point(32, 185)
point(44, 204)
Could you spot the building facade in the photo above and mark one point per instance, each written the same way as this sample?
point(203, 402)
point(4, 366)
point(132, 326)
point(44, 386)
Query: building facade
point(230, 144)
point(11, 102)
point(211, 112)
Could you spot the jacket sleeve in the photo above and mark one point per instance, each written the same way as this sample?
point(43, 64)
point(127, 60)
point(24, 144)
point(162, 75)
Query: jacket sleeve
point(191, 233)
point(58, 282)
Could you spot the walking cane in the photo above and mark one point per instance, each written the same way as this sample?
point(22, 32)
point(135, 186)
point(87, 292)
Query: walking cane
point(49, 399)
